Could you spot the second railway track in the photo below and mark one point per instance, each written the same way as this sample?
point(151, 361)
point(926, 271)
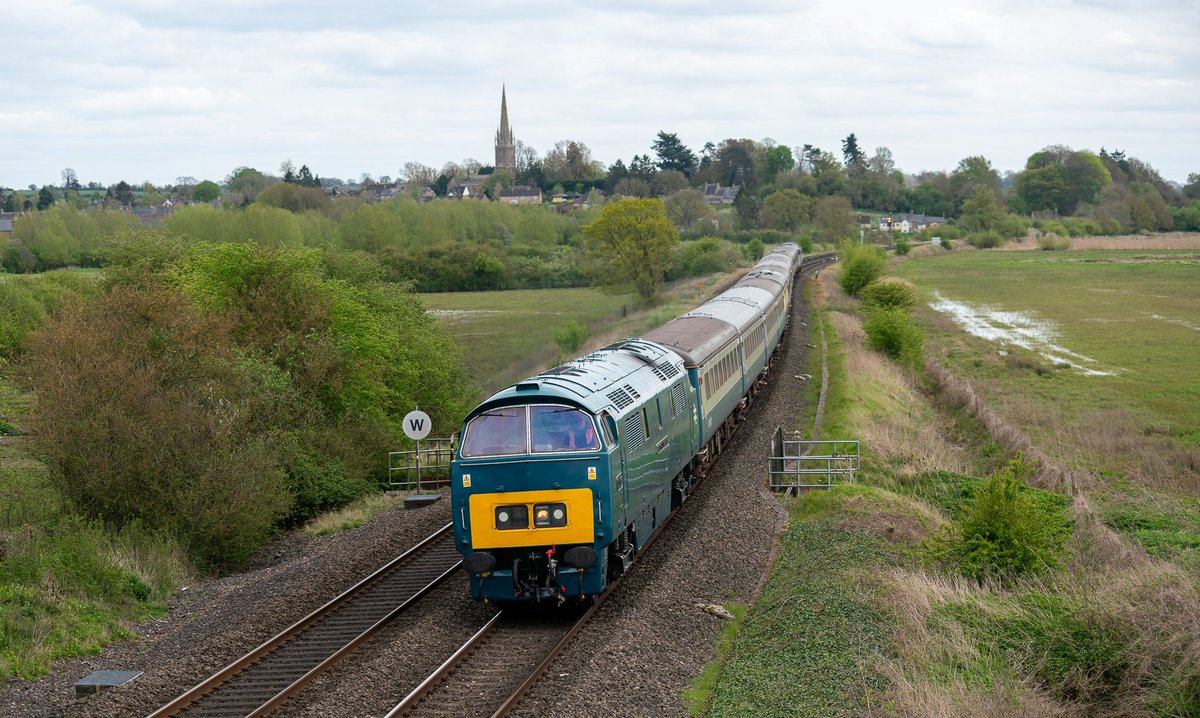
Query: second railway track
point(260, 681)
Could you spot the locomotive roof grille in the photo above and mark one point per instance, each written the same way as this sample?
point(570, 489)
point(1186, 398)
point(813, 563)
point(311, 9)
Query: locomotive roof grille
point(620, 398)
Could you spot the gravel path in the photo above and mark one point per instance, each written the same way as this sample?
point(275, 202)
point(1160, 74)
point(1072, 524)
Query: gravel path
point(643, 647)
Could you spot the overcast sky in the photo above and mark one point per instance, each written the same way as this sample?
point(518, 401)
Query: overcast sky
point(145, 90)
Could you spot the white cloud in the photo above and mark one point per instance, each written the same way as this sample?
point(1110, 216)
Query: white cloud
point(140, 88)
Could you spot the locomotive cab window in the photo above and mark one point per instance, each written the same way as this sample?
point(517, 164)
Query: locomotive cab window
point(497, 432)
point(562, 428)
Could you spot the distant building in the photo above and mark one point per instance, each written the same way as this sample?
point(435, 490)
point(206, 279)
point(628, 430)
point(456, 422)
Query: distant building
point(905, 223)
point(521, 194)
point(716, 194)
point(6, 224)
point(506, 144)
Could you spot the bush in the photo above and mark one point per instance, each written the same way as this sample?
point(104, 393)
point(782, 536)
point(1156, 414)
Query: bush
point(704, 256)
point(902, 246)
point(753, 250)
point(861, 265)
point(889, 294)
point(1007, 529)
point(570, 336)
point(1052, 242)
point(986, 240)
point(144, 416)
point(892, 332)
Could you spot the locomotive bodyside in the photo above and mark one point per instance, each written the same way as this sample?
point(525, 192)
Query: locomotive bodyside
point(561, 478)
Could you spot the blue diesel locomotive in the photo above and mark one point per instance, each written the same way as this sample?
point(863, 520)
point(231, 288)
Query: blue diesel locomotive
point(559, 480)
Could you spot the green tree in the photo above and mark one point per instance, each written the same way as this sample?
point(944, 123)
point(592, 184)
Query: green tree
point(687, 208)
point(246, 182)
point(206, 191)
point(45, 198)
point(295, 197)
point(973, 175)
point(1041, 188)
point(834, 219)
point(631, 243)
point(497, 181)
point(787, 210)
point(673, 154)
point(746, 207)
point(853, 157)
point(778, 160)
point(984, 211)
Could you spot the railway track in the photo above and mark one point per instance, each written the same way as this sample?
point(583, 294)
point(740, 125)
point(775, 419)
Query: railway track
point(490, 673)
point(260, 681)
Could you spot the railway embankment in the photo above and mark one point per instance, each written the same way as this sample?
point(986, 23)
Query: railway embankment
point(1102, 623)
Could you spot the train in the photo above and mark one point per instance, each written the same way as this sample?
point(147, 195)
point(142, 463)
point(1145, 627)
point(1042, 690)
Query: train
point(559, 480)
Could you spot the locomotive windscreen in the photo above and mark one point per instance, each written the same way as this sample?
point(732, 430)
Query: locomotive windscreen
point(508, 430)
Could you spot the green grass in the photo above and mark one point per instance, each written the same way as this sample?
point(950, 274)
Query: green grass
point(698, 695)
point(509, 335)
point(1128, 310)
point(498, 329)
point(68, 585)
point(1137, 313)
point(809, 645)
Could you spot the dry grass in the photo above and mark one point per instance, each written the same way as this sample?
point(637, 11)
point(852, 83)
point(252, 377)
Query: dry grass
point(890, 416)
point(1167, 240)
point(352, 515)
point(914, 692)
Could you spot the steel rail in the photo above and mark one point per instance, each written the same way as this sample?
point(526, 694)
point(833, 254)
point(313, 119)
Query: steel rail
point(193, 701)
point(471, 646)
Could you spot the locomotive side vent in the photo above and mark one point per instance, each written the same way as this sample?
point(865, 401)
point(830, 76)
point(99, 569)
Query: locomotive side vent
point(633, 392)
point(635, 432)
point(620, 398)
point(679, 399)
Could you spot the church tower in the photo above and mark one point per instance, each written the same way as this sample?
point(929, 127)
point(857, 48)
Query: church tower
point(506, 146)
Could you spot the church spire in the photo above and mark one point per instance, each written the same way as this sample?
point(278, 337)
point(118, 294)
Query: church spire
point(506, 150)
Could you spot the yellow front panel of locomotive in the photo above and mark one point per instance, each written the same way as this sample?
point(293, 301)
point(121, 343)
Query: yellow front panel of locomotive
point(580, 526)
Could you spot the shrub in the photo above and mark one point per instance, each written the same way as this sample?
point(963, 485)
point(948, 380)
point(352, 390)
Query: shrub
point(696, 259)
point(753, 250)
point(901, 246)
point(144, 415)
point(570, 336)
point(1052, 242)
point(861, 265)
point(889, 294)
point(1007, 529)
point(986, 240)
point(891, 331)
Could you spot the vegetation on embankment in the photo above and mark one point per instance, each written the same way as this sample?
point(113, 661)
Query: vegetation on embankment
point(1083, 623)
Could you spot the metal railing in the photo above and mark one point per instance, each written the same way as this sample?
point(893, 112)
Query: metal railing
point(800, 464)
point(426, 465)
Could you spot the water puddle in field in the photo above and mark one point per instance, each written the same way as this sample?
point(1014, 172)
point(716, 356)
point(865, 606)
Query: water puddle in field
point(1173, 320)
point(1016, 328)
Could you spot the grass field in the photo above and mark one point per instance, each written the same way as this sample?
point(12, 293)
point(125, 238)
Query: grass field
point(885, 628)
point(506, 336)
point(1128, 321)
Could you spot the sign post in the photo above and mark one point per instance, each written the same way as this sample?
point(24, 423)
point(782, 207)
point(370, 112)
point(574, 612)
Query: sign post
point(416, 427)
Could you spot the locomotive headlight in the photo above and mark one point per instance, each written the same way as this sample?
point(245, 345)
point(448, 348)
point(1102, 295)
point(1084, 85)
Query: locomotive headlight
point(512, 517)
point(548, 515)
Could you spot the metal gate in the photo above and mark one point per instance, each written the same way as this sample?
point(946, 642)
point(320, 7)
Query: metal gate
point(426, 466)
point(800, 464)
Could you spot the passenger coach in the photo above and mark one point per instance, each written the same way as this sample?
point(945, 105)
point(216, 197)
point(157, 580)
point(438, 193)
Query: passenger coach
point(561, 479)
